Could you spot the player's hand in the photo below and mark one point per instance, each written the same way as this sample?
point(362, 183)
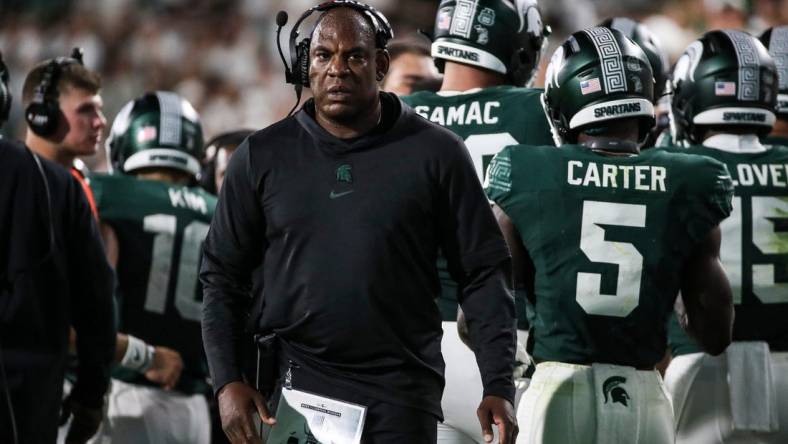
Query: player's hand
point(166, 368)
point(237, 403)
point(85, 421)
point(498, 411)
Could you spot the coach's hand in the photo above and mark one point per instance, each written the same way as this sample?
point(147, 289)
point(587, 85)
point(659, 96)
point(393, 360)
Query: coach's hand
point(166, 368)
point(237, 403)
point(498, 411)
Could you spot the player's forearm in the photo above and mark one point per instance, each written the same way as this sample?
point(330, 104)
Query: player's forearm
point(488, 306)
point(522, 265)
point(707, 297)
point(710, 319)
point(121, 343)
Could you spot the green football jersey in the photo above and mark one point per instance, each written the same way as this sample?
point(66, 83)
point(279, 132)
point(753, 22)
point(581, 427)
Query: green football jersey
point(665, 140)
point(487, 120)
point(754, 247)
point(160, 229)
point(775, 140)
point(607, 236)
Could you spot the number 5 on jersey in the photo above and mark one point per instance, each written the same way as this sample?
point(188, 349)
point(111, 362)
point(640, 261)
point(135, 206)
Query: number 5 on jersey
point(630, 262)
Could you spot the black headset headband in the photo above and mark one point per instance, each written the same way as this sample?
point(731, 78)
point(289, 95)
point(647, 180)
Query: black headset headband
point(3, 70)
point(383, 31)
point(47, 88)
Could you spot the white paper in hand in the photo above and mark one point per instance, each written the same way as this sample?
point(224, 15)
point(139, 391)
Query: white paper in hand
point(306, 418)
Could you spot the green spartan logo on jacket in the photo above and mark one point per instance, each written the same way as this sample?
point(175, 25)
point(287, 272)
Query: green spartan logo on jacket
point(343, 173)
point(612, 388)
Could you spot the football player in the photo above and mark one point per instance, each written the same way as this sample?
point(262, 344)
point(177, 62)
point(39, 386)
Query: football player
point(776, 41)
point(218, 152)
point(410, 67)
point(725, 90)
point(487, 53)
point(154, 221)
point(613, 234)
point(649, 43)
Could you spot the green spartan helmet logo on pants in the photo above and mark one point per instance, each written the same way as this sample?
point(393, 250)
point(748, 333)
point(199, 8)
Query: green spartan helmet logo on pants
point(612, 389)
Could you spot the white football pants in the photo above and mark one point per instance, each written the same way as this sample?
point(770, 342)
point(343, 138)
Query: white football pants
point(140, 414)
point(563, 404)
point(703, 415)
point(463, 391)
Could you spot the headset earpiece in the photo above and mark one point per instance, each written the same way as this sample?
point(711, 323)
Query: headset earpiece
point(43, 113)
point(302, 61)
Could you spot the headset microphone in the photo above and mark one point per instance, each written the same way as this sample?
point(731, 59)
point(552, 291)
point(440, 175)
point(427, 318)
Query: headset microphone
point(78, 54)
point(281, 21)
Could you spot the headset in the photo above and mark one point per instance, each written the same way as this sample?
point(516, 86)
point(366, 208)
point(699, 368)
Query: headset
point(43, 113)
point(5, 94)
point(298, 71)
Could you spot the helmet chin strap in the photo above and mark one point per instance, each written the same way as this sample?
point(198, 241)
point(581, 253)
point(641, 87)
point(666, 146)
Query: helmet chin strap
point(612, 145)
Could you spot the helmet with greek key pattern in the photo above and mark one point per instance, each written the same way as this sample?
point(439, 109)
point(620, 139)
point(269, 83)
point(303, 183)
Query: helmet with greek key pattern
point(649, 43)
point(723, 80)
point(504, 36)
point(776, 41)
point(597, 77)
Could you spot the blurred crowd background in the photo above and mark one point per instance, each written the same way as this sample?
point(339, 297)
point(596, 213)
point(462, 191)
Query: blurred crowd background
point(221, 54)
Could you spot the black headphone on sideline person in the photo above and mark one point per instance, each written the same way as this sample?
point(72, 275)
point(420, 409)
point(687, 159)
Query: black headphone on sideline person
point(43, 112)
point(5, 94)
point(298, 71)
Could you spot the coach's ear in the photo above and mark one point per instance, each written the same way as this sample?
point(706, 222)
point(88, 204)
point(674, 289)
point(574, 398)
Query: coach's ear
point(382, 63)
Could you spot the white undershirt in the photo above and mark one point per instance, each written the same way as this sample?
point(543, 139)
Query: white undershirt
point(457, 93)
point(735, 143)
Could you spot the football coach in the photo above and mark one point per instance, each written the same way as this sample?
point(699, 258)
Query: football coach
point(346, 204)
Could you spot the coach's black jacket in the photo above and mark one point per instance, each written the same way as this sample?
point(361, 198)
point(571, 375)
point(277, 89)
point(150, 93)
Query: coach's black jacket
point(348, 234)
point(53, 274)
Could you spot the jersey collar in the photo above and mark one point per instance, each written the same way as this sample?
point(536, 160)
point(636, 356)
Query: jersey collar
point(735, 143)
point(457, 93)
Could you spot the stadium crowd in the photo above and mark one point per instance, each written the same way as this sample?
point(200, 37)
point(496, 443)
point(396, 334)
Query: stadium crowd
point(221, 55)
